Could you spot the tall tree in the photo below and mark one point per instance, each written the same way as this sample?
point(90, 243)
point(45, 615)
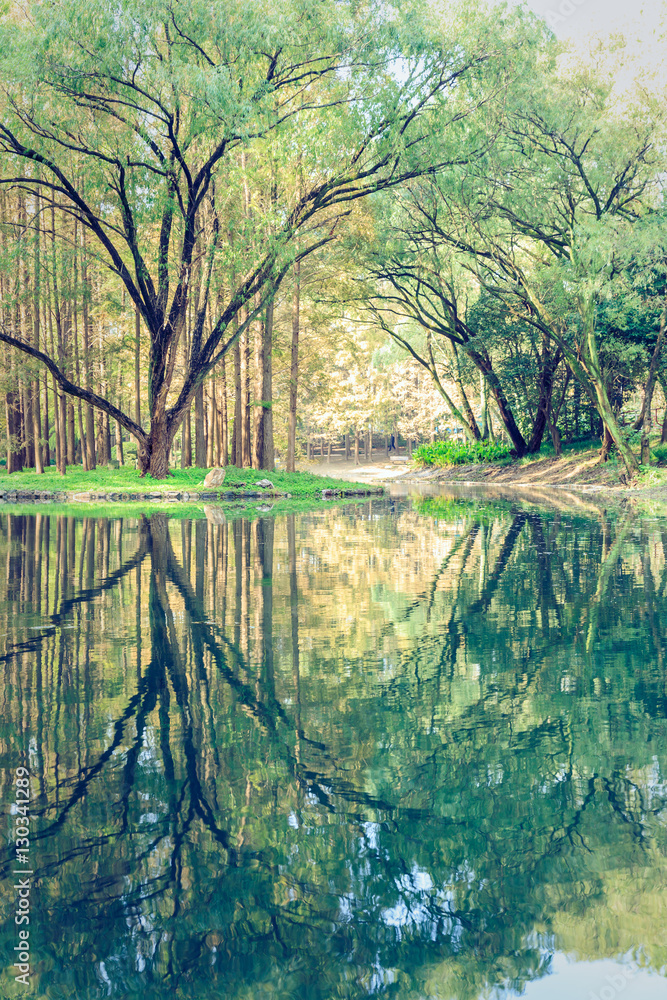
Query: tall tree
point(151, 101)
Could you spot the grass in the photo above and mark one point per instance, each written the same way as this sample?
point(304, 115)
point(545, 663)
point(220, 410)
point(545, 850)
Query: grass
point(182, 510)
point(126, 480)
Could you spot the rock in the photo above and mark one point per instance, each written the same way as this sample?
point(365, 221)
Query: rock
point(264, 484)
point(81, 497)
point(215, 515)
point(216, 477)
point(264, 508)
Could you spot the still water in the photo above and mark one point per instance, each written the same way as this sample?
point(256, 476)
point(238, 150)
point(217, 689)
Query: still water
point(406, 748)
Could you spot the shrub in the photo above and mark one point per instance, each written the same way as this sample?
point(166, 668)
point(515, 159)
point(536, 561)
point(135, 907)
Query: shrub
point(461, 452)
point(660, 454)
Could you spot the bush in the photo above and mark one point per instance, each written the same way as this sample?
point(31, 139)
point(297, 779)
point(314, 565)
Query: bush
point(461, 453)
point(660, 454)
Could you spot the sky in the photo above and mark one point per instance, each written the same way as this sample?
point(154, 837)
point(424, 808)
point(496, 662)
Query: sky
point(576, 19)
point(642, 22)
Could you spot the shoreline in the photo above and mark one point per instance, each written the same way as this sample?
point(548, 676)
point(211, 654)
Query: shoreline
point(174, 497)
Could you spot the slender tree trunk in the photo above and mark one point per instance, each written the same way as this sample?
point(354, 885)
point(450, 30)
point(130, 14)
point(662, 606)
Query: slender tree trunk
point(36, 388)
point(212, 424)
point(263, 445)
point(24, 297)
point(59, 406)
point(224, 418)
point(91, 456)
point(467, 421)
point(647, 424)
point(294, 370)
point(356, 446)
point(103, 425)
point(465, 403)
point(484, 407)
point(237, 446)
point(82, 437)
point(137, 366)
point(119, 430)
point(71, 437)
point(200, 447)
point(12, 419)
point(246, 380)
point(186, 449)
point(604, 406)
point(60, 465)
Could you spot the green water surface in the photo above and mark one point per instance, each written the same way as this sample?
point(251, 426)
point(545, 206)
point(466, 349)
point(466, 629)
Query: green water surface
point(406, 749)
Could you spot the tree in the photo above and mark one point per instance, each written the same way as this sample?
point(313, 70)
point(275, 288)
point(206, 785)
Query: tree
point(133, 119)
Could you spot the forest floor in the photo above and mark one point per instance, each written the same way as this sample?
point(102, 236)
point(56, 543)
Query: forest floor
point(578, 468)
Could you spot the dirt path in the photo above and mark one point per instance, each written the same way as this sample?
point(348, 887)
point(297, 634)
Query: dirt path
point(580, 471)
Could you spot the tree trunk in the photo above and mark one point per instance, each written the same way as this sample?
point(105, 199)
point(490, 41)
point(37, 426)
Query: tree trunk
point(119, 430)
point(356, 446)
point(186, 448)
point(71, 444)
point(263, 457)
point(46, 430)
point(12, 419)
point(246, 377)
point(119, 444)
point(294, 369)
point(91, 455)
point(137, 367)
point(200, 447)
point(224, 419)
point(77, 363)
point(212, 412)
point(159, 441)
point(647, 424)
point(604, 406)
point(469, 416)
point(60, 466)
point(607, 442)
point(36, 388)
point(504, 409)
point(237, 446)
point(484, 407)
point(549, 365)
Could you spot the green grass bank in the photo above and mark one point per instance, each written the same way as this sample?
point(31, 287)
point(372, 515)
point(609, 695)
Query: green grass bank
point(125, 485)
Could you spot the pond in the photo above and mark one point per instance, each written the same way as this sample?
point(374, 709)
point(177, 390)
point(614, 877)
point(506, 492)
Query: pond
point(410, 748)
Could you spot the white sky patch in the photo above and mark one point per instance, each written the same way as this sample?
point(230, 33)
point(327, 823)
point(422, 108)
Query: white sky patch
point(642, 25)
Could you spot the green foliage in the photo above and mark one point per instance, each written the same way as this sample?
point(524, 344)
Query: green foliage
point(660, 454)
point(462, 453)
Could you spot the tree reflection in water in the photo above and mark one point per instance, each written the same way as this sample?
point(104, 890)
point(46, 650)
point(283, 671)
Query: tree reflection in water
point(383, 750)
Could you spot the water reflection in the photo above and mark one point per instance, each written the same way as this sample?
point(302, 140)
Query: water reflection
point(394, 749)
